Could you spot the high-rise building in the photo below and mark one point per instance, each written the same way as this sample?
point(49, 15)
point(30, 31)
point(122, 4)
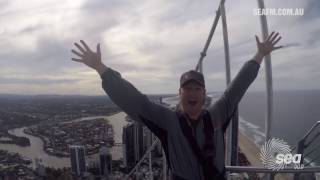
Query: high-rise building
point(146, 138)
point(78, 161)
point(132, 139)
point(40, 169)
point(138, 141)
point(105, 160)
point(128, 146)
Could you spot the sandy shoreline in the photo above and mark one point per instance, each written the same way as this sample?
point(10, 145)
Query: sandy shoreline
point(251, 151)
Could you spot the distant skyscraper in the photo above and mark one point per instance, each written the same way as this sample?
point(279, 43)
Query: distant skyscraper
point(132, 139)
point(147, 138)
point(40, 169)
point(145, 131)
point(138, 141)
point(128, 146)
point(78, 162)
point(105, 161)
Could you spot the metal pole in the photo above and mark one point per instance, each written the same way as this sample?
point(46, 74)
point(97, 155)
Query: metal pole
point(232, 133)
point(164, 168)
point(300, 151)
point(226, 43)
point(150, 156)
point(213, 28)
point(267, 61)
point(234, 138)
point(268, 74)
point(150, 167)
point(200, 67)
point(142, 159)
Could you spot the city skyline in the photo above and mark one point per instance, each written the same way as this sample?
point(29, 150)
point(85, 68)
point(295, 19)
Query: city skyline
point(149, 43)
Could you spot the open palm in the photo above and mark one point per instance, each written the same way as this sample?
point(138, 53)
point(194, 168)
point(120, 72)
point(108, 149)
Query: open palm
point(266, 47)
point(87, 56)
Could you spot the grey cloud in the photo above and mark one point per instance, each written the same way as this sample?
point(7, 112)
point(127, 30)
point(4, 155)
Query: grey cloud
point(184, 11)
point(4, 3)
point(102, 6)
point(312, 10)
point(291, 45)
point(98, 16)
point(33, 81)
point(175, 14)
point(312, 42)
point(128, 67)
point(31, 29)
point(51, 57)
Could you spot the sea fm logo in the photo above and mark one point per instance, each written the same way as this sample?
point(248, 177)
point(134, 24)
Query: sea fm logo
point(276, 154)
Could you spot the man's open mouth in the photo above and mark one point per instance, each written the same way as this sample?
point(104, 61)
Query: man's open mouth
point(192, 102)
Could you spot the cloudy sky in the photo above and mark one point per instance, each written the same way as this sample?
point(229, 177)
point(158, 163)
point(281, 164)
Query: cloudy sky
point(150, 42)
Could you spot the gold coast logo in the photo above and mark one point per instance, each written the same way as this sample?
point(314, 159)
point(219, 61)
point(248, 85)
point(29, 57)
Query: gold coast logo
point(276, 154)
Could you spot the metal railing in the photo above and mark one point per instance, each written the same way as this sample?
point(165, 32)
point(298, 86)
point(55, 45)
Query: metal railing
point(302, 146)
point(142, 158)
point(251, 169)
point(236, 169)
point(308, 172)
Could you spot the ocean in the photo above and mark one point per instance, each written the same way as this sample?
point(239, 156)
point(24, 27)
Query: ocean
point(295, 112)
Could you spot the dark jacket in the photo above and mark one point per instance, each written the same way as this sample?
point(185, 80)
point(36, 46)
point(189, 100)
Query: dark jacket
point(182, 159)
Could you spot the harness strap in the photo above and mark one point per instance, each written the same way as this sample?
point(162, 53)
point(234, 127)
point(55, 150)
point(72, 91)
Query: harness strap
point(207, 155)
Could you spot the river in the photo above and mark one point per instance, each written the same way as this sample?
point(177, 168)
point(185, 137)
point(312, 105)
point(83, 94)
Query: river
point(35, 150)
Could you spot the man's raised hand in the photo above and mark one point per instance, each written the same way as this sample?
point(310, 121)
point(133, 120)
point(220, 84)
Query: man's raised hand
point(266, 47)
point(87, 56)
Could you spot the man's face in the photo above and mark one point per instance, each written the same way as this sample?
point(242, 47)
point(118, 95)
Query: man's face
point(192, 96)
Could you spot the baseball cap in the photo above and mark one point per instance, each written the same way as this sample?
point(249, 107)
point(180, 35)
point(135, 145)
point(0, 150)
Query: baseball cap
point(192, 75)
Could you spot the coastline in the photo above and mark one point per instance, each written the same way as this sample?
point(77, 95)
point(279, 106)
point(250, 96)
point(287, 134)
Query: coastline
point(251, 152)
point(250, 149)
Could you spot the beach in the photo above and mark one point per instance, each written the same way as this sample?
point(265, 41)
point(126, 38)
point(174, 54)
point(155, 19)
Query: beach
point(251, 151)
